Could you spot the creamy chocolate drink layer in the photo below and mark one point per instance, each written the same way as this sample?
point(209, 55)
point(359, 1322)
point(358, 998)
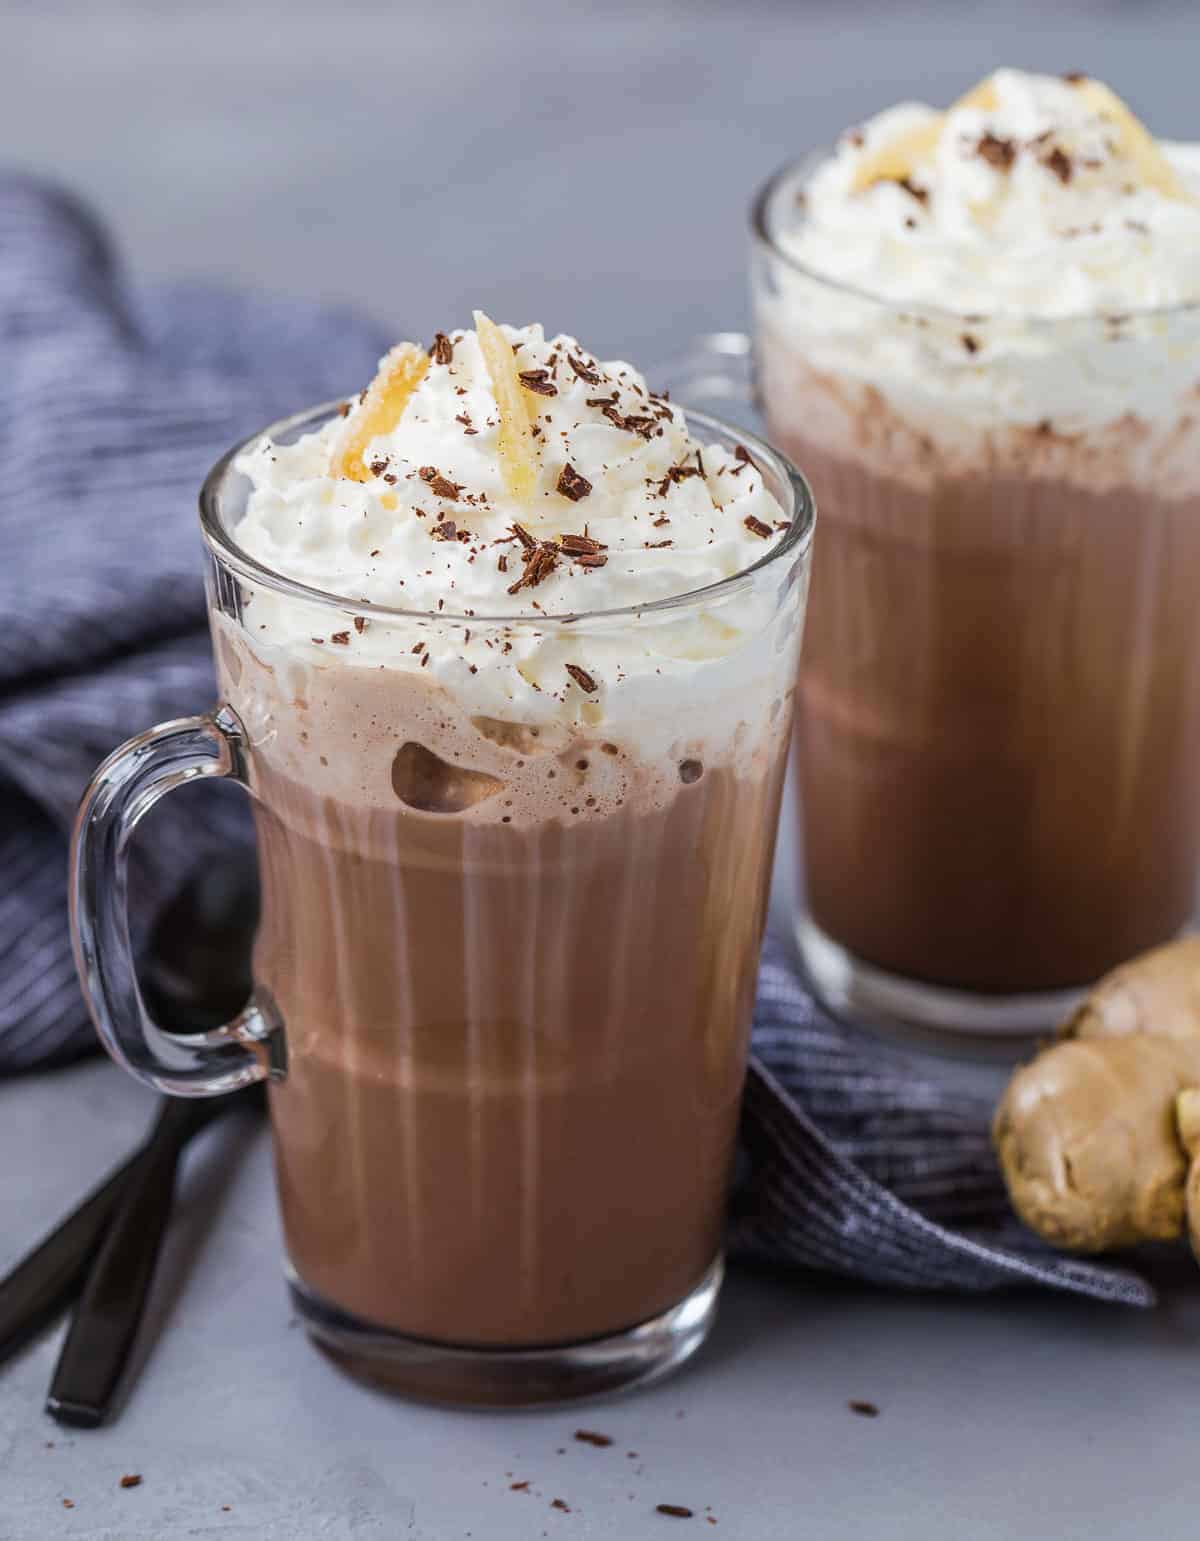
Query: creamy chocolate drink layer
point(514, 864)
point(979, 333)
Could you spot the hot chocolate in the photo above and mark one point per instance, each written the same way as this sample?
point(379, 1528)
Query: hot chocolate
point(515, 850)
point(998, 738)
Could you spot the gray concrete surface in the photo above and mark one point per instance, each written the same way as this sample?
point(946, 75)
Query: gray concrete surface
point(1023, 1417)
point(589, 164)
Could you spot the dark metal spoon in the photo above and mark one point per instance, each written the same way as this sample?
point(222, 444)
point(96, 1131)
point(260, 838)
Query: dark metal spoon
point(198, 974)
point(117, 1286)
point(42, 1285)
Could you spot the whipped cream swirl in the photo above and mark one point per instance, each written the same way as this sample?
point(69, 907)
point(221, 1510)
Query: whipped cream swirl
point(1034, 196)
point(1007, 261)
point(434, 520)
point(613, 505)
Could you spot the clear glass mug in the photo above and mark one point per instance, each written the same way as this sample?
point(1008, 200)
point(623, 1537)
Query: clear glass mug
point(997, 748)
point(504, 971)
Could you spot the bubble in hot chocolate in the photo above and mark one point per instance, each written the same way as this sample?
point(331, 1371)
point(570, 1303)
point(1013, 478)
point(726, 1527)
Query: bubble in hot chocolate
point(522, 737)
point(430, 784)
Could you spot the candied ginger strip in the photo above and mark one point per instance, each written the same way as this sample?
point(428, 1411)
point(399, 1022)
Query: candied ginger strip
point(896, 160)
point(518, 461)
point(1135, 139)
point(401, 371)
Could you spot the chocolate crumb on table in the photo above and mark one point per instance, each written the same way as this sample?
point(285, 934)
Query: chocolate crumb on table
point(676, 1511)
point(863, 1409)
point(589, 1436)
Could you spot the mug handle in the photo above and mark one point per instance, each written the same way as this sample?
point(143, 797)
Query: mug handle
point(120, 794)
point(715, 373)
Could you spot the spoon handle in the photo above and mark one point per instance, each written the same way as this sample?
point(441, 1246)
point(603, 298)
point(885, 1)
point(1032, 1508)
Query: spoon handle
point(101, 1335)
point(44, 1282)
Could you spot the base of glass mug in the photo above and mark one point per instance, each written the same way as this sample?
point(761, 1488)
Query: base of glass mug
point(926, 1016)
point(501, 1377)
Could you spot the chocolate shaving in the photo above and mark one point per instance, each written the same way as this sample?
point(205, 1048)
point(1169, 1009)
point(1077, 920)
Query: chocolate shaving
point(921, 194)
point(131, 1479)
point(344, 409)
point(582, 678)
point(676, 1511)
point(863, 1409)
point(579, 545)
point(447, 530)
point(378, 467)
point(757, 527)
point(598, 560)
point(524, 537)
point(540, 562)
point(1059, 162)
point(998, 152)
point(342, 638)
point(502, 562)
point(1074, 77)
point(675, 475)
point(572, 485)
point(440, 485)
point(971, 344)
point(538, 381)
point(360, 623)
point(557, 1503)
point(655, 545)
point(582, 371)
point(443, 349)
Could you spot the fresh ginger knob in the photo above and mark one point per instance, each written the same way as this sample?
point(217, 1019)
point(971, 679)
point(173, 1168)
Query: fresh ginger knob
point(1187, 1114)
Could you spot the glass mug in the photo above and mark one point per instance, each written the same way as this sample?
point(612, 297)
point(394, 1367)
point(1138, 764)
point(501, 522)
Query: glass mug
point(505, 1050)
point(997, 743)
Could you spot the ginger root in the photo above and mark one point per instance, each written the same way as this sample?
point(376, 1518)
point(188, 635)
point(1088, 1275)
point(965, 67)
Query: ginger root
point(1089, 1134)
point(1187, 1112)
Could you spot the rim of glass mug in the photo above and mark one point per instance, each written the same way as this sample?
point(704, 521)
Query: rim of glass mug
point(796, 172)
point(785, 480)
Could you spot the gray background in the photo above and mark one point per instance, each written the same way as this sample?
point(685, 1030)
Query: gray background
point(589, 166)
point(585, 164)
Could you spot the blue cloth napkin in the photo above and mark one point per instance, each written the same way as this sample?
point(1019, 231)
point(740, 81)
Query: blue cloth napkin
point(114, 402)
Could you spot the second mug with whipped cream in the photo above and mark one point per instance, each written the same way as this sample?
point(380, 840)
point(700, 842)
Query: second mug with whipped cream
point(979, 330)
point(513, 648)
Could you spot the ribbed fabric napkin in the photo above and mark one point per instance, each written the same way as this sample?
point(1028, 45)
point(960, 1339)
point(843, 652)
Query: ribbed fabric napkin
point(114, 402)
